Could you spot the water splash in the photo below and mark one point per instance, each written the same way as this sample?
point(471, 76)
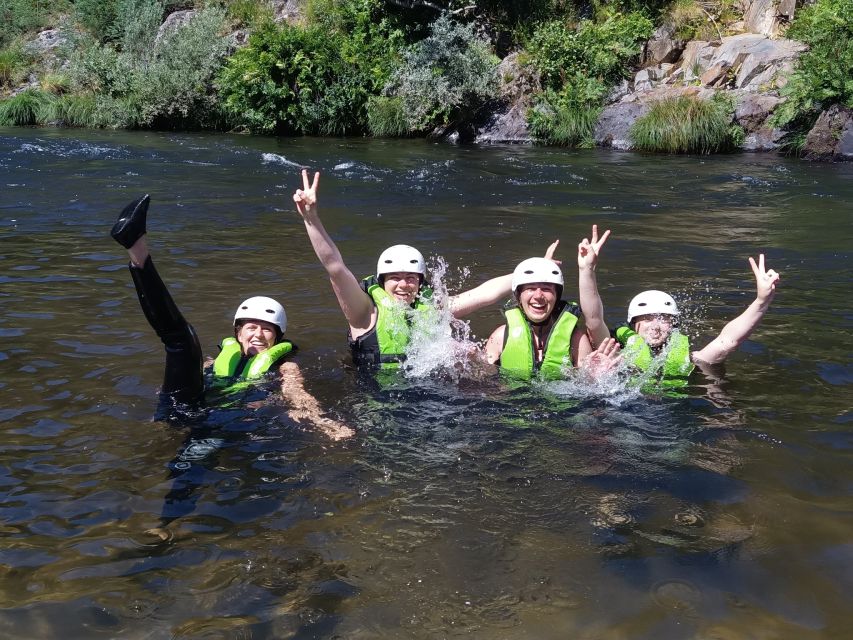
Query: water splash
point(274, 158)
point(440, 344)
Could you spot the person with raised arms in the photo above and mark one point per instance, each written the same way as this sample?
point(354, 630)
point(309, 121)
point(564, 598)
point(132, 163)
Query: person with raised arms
point(651, 340)
point(378, 309)
point(257, 347)
point(543, 335)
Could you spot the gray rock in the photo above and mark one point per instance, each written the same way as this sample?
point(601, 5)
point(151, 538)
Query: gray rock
point(753, 109)
point(618, 92)
point(767, 17)
point(831, 138)
point(763, 139)
point(662, 46)
point(173, 21)
point(507, 125)
point(642, 81)
point(614, 124)
point(45, 42)
point(290, 11)
point(508, 122)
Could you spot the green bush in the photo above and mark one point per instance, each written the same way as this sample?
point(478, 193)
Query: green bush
point(596, 50)
point(23, 16)
point(29, 107)
point(98, 17)
point(76, 110)
point(568, 117)
point(386, 117)
point(445, 78)
point(13, 66)
point(687, 124)
point(822, 76)
point(164, 85)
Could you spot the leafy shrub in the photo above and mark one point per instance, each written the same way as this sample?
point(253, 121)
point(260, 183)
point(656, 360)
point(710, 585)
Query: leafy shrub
point(98, 17)
point(568, 117)
point(687, 124)
point(822, 76)
point(22, 16)
point(386, 117)
point(13, 65)
point(164, 85)
point(447, 77)
point(595, 50)
point(27, 108)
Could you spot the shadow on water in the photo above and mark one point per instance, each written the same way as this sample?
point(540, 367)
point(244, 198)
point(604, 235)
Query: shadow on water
point(465, 506)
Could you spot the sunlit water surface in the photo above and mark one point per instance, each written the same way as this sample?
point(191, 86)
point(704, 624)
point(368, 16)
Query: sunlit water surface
point(464, 507)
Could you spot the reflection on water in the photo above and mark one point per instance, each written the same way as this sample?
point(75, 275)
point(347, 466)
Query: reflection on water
point(465, 506)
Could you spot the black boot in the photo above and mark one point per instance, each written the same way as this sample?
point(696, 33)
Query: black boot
point(130, 225)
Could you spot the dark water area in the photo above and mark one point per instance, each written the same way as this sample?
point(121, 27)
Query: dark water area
point(463, 507)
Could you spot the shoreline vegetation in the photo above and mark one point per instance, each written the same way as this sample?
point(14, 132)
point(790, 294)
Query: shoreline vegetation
point(408, 68)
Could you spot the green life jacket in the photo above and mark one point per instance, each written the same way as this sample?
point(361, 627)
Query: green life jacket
point(517, 357)
point(385, 344)
point(231, 363)
point(676, 367)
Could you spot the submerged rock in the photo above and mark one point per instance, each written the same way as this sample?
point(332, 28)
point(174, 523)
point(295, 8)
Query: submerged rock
point(831, 138)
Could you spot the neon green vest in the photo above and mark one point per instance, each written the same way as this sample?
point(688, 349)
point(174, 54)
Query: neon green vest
point(393, 323)
point(226, 363)
point(677, 366)
point(517, 357)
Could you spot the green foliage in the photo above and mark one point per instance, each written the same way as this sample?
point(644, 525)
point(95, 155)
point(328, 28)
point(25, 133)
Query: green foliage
point(447, 77)
point(27, 108)
point(568, 117)
point(13, 66)
point(98, 17)
point(76, 110)
point(687, 124)
point(249, 13)
point(315, 79)
point(386, 117)
point(55, 83)
point(597, 50)
point(23, 16)
point(166, 84)
point(822, 76)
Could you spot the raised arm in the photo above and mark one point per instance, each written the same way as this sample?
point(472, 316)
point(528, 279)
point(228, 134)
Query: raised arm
point(354, 302)
point(738, 330)
point(590, 300)
point(304, 406)
point(490, 292)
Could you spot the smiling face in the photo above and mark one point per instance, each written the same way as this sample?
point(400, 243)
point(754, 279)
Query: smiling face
point(256, 336)
point(402, 285)
point(537, 300)
point(654, 328)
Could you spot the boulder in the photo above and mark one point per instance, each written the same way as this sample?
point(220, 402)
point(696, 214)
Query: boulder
point(768, 17)
point(831, 138)
point(753, 109)
point(45, 42)
point(507, 122)
point(289, 11)
point(763, 139)
point(642, 81)
point(174, 21)
point(614, 124)
point(662, 46)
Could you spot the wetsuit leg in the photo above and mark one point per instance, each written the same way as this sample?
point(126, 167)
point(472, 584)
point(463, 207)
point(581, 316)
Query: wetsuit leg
point(183, 381)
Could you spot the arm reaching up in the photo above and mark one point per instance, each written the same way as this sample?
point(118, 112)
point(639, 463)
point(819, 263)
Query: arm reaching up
point(738, 330)
point(590, 300)
point(356, 305)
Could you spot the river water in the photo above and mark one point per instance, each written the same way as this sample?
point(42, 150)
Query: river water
point(463, 507)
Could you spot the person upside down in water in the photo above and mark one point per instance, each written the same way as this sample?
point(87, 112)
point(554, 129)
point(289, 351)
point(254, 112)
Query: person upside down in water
point(651, 341)
point(258, 345)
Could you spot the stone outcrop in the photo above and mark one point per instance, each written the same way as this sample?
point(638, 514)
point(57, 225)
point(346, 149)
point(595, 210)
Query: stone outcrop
point(663, 46)
point(768, 17)
point(46, 42)
point(831, 138)
point(290, 11)
point(508, 121)
point(172, 22)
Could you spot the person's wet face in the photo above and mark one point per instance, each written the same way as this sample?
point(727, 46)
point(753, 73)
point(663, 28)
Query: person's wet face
point(402, 285)
point(256, 336)
point(537, 300)
point(654, 328)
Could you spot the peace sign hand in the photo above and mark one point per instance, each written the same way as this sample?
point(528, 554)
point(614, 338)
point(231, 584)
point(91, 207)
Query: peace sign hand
point(765, 280)
point(306, 197)
point(588, 250)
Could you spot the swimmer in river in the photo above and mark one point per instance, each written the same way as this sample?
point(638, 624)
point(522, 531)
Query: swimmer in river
point(257, 347)
point(652, 322)
point(378, 309)
point(543, 333)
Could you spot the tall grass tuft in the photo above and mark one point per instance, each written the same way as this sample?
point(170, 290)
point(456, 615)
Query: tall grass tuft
point(29, 107)
point(76, 110)
point(13, 65)
point(686, 124)
point(56, 83)
point(386, 117)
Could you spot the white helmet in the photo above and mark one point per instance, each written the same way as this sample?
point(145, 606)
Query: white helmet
point(400, 257)
point(537, 270)
point(654, 302)
point(262, 308)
